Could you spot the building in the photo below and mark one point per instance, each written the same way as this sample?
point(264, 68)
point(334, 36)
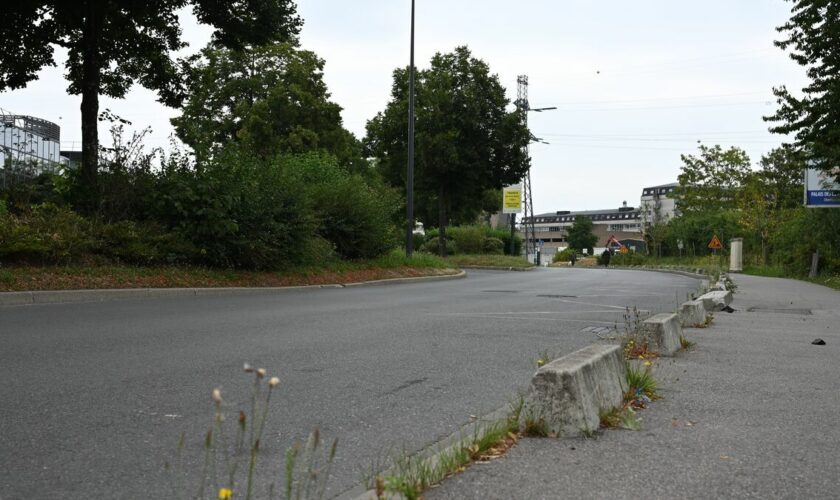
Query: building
point(658, 205)
point(28, 146)
point(624, 223)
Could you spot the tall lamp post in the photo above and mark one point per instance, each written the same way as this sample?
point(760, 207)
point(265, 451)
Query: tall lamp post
point(409, 188)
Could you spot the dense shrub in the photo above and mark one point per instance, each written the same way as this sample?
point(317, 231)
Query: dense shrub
point(470, 239)
point(433, 246)
point(142, 243)
point(493, 246)
point(352, 213)
point(564, 255)
point(504, 235)
point(627, 259)
point(804, 232)
point(48, 234)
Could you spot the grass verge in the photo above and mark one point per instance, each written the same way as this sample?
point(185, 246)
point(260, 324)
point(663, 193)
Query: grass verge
point(392, 265)
point(501, 261)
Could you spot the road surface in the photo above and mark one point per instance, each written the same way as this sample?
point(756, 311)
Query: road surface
point(95, 395)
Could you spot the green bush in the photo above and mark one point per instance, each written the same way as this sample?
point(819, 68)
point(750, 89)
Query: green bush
point(49, 234)
point(433, 246)
point(564, 255)
point(238, 211)
point(470, 239)
point(504, 235)
point(494, 246)
point(628, 259)
point(142, 243)
point(354, 214)
point(419, 240)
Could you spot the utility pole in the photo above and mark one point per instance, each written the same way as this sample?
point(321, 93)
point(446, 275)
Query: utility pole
point(527, 199)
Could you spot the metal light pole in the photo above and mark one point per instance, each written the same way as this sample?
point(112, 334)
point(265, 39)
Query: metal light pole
point(409, 188)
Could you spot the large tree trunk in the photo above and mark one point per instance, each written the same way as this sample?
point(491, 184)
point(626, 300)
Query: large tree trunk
point(442, 221)
point(90, 109)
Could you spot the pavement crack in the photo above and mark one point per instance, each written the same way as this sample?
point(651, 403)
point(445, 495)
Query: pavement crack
point(406, 385)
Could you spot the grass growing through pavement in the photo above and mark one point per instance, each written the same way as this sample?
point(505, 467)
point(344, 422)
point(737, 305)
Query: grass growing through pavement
point(413, 474)
point(501, 261)
point(640, 382)
point(391, 265)
point(686, 344)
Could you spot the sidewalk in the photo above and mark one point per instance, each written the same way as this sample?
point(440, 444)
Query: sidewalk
point(753, 411)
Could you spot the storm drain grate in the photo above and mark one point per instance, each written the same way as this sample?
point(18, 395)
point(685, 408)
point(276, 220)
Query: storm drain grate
point(801, 312)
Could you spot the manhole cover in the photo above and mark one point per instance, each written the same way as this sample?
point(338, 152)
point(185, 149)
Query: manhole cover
point(559, 296)
point(802, 312)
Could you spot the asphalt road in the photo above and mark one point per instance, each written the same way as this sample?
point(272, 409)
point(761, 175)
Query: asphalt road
point(94, 396)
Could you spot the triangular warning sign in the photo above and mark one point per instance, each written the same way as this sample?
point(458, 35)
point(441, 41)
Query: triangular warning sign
point(715, 244)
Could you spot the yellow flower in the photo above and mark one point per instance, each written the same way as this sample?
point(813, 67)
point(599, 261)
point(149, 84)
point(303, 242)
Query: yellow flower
point(648, 363)
point(225, 493)
point(540, 362)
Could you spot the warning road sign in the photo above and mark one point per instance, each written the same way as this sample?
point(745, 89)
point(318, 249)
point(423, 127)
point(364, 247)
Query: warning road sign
point(715, 244)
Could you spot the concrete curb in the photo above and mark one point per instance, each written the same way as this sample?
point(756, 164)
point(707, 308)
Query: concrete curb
point(79, 296)
point(692, 313)
point(696, 273)
point(664, 331)
point(716, 300)
point(491, 268)
point(569, 393)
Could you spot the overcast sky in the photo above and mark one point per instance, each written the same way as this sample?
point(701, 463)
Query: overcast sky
point(636, 83)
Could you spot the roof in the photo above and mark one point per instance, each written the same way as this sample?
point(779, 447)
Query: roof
point(672, 184)
point(590, 212)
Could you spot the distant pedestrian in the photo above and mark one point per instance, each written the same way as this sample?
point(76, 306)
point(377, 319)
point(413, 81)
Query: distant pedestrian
point(574, 258)
point(605, 258)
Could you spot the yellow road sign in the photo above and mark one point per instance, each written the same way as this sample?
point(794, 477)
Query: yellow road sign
point(715, 244)
point(512, 199)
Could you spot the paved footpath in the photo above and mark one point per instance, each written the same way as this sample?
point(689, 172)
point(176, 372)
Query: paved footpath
point(753, 411)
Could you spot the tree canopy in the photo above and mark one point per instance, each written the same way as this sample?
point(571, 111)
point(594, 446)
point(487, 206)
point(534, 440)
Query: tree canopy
point(466, 140)
point(114, 44)
point(271, 98)
point(580, 236)
point(814, 118)
point(711, 179)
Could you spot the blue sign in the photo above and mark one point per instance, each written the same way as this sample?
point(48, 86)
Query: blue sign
point(821, 190)
point(823, 198)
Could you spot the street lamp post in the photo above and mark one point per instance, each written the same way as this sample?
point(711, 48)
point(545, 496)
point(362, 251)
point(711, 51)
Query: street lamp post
point(409, 236)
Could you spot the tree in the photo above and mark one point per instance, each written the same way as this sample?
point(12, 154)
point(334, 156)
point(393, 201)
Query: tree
point(113, 44)
point(271, 98)
point(711, 179)
point(580, 236)
point(466, 140)
point(814, 118)
point(767, 196)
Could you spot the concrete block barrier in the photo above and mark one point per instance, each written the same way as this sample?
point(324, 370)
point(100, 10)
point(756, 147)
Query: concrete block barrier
point(663, 331)
point(569, 392)
point(716, 300)
point(692, 313)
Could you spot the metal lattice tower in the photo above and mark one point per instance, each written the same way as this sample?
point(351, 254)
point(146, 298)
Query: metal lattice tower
point(528, 215)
